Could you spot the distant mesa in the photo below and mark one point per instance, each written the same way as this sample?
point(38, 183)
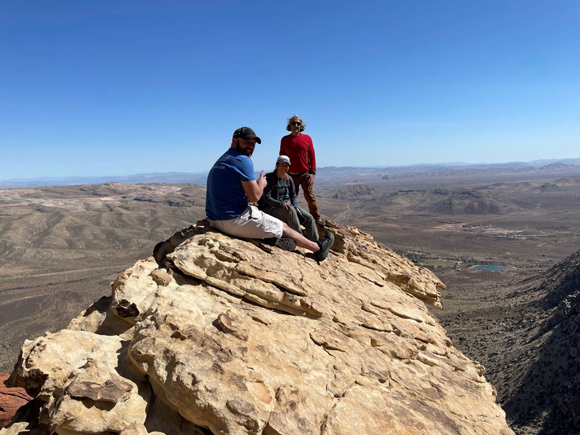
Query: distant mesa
point(549, 187)
point(354, 191)
point(233, 337)
point(450, 201)
point(558, 166)
point(464, 205)
point(568, 181)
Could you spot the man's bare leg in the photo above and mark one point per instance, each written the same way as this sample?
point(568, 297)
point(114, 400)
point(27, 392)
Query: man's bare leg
point(300, 240)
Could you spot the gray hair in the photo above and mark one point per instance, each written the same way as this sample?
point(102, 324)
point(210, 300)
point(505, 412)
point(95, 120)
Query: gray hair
point(295, 118)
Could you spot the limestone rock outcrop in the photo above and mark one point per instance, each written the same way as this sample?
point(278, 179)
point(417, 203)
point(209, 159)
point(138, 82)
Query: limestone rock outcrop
point(231, 337)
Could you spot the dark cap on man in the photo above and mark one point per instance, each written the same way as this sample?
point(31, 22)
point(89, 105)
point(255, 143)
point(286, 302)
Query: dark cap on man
point(246, 133)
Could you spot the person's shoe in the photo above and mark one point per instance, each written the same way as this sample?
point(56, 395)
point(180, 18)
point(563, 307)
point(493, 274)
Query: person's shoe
point(161, 250)
point(321, 222)
point(325, 244)
point(270, 241)
point(285, 243)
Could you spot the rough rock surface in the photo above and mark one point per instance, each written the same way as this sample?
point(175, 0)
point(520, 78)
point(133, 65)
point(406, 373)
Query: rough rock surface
point(237, 338)
point(10, 400)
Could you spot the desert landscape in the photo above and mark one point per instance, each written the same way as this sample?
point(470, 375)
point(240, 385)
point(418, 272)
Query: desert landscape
point(502, 239)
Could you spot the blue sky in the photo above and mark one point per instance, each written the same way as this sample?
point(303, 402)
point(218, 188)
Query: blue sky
point(125, 87)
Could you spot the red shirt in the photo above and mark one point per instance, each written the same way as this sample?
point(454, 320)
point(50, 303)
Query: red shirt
point(301, 152)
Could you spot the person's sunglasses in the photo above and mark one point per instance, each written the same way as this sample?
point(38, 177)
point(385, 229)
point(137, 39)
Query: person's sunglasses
point(296, 123)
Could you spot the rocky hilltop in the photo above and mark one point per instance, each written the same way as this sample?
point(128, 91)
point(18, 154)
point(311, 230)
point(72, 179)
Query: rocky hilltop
point(217, 335)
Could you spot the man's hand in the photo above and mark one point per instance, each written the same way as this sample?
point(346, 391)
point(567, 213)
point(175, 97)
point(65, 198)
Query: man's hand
point(287, 206)
point(310, 179)
point(262, 182)
point(255, 188)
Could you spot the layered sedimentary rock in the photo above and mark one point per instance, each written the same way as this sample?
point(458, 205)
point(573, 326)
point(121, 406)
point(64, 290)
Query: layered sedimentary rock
point(232, 337)
point(10, 400)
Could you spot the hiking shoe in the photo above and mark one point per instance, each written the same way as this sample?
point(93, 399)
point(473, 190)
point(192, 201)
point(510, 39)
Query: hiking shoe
point(325, 244)
point(321, 222)
point(161, 250)
point(270, 241)
point(285, 243)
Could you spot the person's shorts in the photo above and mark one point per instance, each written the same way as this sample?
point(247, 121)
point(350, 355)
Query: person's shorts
point(252, 224)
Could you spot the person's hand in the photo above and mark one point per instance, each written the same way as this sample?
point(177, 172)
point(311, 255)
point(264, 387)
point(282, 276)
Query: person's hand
point(287, 206)
point(310, 179)
point(262, 182)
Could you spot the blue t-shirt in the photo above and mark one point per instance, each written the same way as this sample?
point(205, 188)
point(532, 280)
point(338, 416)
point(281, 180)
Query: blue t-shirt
point(225, 198)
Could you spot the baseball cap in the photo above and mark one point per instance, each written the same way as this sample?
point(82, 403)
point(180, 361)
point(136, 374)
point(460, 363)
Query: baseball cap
point(246, 133)
point(283, 159)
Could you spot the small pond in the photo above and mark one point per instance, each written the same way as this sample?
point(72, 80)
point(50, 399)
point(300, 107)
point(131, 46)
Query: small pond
point(488, 267)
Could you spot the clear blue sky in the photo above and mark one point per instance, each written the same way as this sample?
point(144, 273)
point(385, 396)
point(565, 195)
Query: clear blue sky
point(124, 87)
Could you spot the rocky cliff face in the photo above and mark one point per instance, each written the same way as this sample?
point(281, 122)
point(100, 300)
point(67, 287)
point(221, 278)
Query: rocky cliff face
point(544, 367)
point(230, 337)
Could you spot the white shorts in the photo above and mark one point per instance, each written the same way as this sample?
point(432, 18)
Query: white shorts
point(252, 224)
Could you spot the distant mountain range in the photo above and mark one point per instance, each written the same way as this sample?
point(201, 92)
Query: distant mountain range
point(155, 177)
point(323, 173)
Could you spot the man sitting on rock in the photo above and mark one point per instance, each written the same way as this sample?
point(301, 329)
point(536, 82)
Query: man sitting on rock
point(279, 200)
point(232, 185)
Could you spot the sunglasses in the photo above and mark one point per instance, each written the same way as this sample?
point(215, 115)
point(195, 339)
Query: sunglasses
point(295, 123)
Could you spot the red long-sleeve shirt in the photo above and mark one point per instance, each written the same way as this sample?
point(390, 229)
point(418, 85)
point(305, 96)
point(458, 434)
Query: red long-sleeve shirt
point(301, 152)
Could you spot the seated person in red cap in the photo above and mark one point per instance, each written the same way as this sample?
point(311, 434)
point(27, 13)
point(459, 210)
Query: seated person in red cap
point(279, 200)
point(232, 185)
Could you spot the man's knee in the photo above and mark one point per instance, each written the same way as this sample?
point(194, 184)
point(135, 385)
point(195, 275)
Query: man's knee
point(286, 230)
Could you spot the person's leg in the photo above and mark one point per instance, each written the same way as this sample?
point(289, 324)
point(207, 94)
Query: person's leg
point(296, 179)
point(311, 230)
point(300, 240)
point(320, 248)
point(287, 215)
point(255, 224)
point(251, 224)
point(309, 195)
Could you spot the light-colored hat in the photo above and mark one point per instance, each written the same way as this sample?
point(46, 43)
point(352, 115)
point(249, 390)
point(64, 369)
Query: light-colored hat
point(283, 159)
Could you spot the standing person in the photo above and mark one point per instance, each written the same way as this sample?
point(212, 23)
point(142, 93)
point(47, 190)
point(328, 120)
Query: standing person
point(279, 200)
point(232, 185)
point(298, 146)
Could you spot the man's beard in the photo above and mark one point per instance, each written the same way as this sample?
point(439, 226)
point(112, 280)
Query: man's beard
point(248, 152)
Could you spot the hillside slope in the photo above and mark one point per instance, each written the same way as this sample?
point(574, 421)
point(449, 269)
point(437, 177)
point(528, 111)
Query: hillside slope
point(527, 334)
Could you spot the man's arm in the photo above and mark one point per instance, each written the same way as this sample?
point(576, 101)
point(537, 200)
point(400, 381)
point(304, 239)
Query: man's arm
point(312, 157)
point(255, 188)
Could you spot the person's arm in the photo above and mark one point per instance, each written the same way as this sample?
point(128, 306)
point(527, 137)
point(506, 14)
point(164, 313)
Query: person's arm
point(255, 188)
point(312, 158)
